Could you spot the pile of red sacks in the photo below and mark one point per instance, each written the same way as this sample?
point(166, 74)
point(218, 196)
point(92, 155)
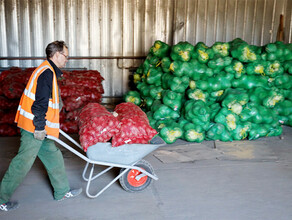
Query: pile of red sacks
point(127, 125)
point(78, 88)
point(12, 84)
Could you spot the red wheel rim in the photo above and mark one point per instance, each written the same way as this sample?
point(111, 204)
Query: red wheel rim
point(132, 178)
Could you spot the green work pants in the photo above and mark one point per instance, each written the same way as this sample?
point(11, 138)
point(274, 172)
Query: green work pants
point(50, 156)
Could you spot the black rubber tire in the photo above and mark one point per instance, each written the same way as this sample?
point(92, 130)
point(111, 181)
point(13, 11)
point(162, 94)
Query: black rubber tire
point(124, 179)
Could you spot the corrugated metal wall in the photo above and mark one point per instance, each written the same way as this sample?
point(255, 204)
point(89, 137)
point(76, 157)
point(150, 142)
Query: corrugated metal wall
point(129, 28)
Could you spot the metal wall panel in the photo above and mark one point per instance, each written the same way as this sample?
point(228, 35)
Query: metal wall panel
point(129, 28)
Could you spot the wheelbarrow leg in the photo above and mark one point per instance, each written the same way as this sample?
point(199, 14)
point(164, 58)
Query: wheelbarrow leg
point(103, 189)
point(98, 175)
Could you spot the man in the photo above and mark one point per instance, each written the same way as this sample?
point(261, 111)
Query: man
point(38, 116)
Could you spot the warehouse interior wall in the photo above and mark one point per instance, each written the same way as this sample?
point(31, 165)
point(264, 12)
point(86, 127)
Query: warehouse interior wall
point(128, 28)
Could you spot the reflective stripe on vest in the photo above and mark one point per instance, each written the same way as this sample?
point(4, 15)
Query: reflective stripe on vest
point(24, 117)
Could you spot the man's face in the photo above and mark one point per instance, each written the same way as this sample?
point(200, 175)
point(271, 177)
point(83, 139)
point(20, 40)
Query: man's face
point(62, 58)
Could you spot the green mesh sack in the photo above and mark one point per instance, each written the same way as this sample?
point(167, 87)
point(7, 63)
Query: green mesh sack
point(154, 75)
point(144, 89)
point(197, 112)
point(256, 68)
point(170, 131)
point(274, 131)
point(179, 84)
point(182, 121)
point(243, 51)
point(180, 68)
point(133, 96)
point(193, 133)
point(147, 102)
point(160, 49)
point(218, 131)
point(203, 53)
point(172, 99)
point(274, 69)
point(229, 119)
point(199, 71)
point(258, 130)
point(165, 64)
point(152, 121)
point(241, 131)
point(155, 92)
point(161, 111)
point(283, 81)
point(182, 51)
point(218, 63)
point(234, 99)
point(250, 82)
point(221, 81)
point(221, 48)
point(236, 68)
point(284, 108)
point(197, 94)
point(288, 66)
point(248, 112)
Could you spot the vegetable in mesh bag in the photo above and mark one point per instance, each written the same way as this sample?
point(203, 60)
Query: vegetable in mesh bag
point(234, 99)
point(172, 99)
point(203, 53)
point(133, 96)
point(160, 49)
point(217, 131)
point(169, 130)
point(134, 125)
point(197, 112)
point(229, 119)
point(96, 124)
point(154, 75)
point(221, 48)
point(263, 130)
point(162, 111)
point(243, 51)
point(241, 131)
point(182, 51)
point(193, 133)
point(236, 68)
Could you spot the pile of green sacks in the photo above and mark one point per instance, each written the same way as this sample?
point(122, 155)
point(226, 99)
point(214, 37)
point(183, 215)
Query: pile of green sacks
point(229, 91)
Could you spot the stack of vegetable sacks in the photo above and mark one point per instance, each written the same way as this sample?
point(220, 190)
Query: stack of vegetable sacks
point(77, 89)
point(127, 125)
point(229, 91)
point(12, 84)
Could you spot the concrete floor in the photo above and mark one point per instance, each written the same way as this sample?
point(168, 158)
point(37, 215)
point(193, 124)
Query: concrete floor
point(248, 180)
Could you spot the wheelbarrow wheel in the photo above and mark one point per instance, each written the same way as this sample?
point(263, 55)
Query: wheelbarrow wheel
point(131, 183)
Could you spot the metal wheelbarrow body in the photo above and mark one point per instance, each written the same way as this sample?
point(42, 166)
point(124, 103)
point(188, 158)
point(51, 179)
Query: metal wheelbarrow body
point(135, 175)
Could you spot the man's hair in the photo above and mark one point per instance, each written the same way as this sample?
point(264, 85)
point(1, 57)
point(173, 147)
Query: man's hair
point(56, 46)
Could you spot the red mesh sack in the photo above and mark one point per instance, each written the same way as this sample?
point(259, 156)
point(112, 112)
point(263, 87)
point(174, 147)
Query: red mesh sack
point(96, 124)
point(134, 125)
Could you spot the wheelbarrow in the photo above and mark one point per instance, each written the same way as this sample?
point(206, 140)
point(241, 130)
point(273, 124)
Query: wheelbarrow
point(135, 174)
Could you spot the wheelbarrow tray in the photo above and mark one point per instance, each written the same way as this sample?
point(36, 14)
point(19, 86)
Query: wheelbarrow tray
point(126, 154)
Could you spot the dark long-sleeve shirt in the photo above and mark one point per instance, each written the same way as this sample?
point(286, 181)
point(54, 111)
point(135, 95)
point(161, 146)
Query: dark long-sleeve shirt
point(42, 96)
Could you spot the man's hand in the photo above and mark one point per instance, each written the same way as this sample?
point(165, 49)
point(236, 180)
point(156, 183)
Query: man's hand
point(40, 135)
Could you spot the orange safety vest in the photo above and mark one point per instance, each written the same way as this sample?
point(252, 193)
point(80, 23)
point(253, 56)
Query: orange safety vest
point(24, 116)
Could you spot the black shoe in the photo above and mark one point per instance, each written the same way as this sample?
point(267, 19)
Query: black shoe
point(8, 206)
point(72, 193)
